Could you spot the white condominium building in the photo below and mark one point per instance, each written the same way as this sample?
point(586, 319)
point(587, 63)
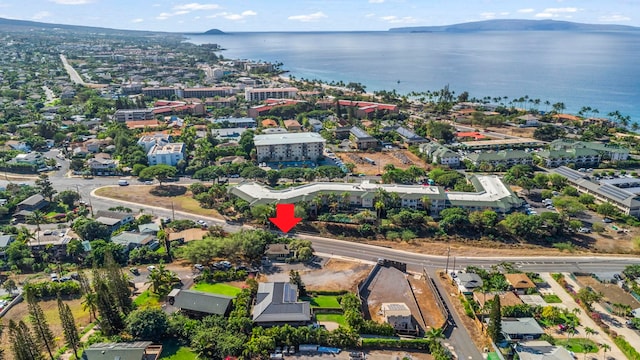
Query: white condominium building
point(289, 147)
point(255, 95)
point(168, 154)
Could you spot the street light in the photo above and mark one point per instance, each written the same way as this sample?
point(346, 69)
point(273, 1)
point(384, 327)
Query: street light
point(446, 270)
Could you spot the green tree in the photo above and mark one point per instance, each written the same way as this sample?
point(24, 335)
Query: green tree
point(607, 209)
point(69, 328)
point(10, 286)
point(90, 230)
point(23, 345)
point(45, 187)
point(494, 329)
point(588, 296)
point(160, 172)
point(43, 334)
point(162, 280)
point(111, 319)
point(118, 283)
point(147, 324)
point(296, 279)
point(68, 197)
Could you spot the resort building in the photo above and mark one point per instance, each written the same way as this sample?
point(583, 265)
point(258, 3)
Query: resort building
point(134, 115)
point(235, 122)
point(255, 95)
point(500, 144)
point(581, 157)
point(289, 147)
point(506, 158)
point(491, 193)
point(607, 152)
point(440, 154)
point(168, 154)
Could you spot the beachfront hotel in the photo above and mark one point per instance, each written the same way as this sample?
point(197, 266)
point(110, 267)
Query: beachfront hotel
point(491, 193)
point(255, 94)
point(289, 147)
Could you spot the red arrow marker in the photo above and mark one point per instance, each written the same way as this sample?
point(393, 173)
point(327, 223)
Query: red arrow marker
point(285, 220)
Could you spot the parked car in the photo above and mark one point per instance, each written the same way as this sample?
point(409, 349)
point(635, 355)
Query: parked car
point(607, 220)
point(199, 267)
point(202, 223)
point(151, 267)
point(134, 271)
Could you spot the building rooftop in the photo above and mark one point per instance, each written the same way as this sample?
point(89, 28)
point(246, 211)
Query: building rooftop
point(199, 301)
point(360, 134)
point(519, 281)
point(278, 302)
point(288, 138)
point(499, 155)
point(164, 149)
point(541, 350)
point(395, 309)
point(522, 326)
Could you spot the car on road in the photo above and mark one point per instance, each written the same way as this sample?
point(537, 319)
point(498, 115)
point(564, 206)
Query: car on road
point(202, 223)
point(151, 267)
point(134, 271)
point(584, 230)
point(148, 182)
point(607, 220)
point(199, 267)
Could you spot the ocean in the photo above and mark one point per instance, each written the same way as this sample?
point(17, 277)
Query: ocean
point(595, 69)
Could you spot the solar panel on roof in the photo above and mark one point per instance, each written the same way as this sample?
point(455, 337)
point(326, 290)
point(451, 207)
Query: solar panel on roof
point(568, 173)
point(614, 192)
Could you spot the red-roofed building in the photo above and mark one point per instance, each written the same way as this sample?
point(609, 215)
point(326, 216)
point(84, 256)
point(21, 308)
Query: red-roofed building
point(470, 134)
point(260, 110)
point(141, 124)
point(267, 123)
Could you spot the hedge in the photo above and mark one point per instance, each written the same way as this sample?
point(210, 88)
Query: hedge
point(50, 289)
point(327, 292)
point(628, 350)
point(381, 343)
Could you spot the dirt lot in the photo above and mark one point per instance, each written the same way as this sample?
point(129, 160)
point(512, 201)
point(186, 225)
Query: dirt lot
point(390, 286)
point(426, 301)
point(401, 159)
point(371, 355)
point(326, 274)
point(612, 292)
point(50, 308)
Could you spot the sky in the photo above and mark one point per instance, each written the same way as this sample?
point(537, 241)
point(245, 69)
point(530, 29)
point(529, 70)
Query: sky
point(310, 15)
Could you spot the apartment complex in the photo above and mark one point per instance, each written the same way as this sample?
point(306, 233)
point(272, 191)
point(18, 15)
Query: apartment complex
point(607, 152)
point(439, 154)
point(289, 146)
point(168, 154)
point(361, 140)
point(134, 115)
point(167, 92)
point(260, 94)
point(506, 158)
point(491, 193)
point(581, 157)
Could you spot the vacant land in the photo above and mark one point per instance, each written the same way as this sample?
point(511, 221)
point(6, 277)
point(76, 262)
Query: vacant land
point(329, 275)
point(141, 194)
point(147, 300)
point(612, 292)
point(50, 308)
point(390, 285)
point(220, 289)
point(426, 301)
point(401, 159)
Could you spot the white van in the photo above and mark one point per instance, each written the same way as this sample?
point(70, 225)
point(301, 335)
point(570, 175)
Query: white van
point(123, 182)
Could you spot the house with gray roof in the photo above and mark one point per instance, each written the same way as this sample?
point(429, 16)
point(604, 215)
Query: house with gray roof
point(277, 304)
point(541, 350)
point(131, 240)
point(409, 137)
point(200, 304)
point(521, 329)
point(150, 228)
point(467, 282)
point(361, 140)
point(138, 350)
point(113, 219)
point(32, 203)
point(5, 241)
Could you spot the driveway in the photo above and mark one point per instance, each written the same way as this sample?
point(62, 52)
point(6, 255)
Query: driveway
point(585, 321)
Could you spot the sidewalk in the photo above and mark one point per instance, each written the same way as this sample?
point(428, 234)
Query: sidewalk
point(600, 337)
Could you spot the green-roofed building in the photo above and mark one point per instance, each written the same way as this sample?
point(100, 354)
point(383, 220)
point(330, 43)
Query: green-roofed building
point(508, 158)
point(581, 157)
point(440, 154)
point(606, 151)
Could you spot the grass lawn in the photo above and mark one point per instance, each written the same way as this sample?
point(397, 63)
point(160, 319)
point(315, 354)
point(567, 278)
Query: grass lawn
point(140, 194)
point(172, 350)
point(221, 289)
point(323, 301)
point(147, 300)
point(578, 345)
point(336, 318)
point(552, 299)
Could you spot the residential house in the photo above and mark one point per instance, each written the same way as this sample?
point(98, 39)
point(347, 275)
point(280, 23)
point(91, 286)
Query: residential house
point(168, 154)
point(32, 158)
point(139, 350)
point(53, 242)
point(440, 154)
point(131, 240)
point(521, 329)
point(231, 160)
point(292, 125)
point(397, 315)
point(277, 304)
point(316, 125)
point(269, 123)
point(520, 283)
point(5, 241)
point(18, 145)
point(32, 203)
point(541, 350)
point(361, 140)
point(102, 165)
point(200, 304)
point(113, 219)
point(467, 282)
point(278, 252)
point(580, 157)
point(188, 235)
point(504, 158)
point(529, 120)
point(150, 228)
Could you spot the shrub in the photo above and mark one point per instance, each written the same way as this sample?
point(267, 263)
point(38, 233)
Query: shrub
point(50, 289)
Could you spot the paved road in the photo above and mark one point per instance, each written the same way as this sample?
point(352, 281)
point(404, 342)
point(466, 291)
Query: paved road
point(73, 74)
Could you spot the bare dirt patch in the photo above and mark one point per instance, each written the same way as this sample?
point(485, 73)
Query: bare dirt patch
point(426, 302)
point(142, 194)
point(401, 159)
point(50, 308)
point(332, 275)
point(390, 285)
point(612, 292)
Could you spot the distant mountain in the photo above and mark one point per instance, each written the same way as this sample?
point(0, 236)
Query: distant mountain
point(517, 25)
point(26, 25)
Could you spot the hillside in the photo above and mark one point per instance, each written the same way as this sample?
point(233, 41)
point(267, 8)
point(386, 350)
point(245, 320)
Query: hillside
point(517, 25)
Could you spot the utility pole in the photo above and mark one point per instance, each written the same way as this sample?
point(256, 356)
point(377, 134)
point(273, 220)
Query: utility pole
point(446, 270)
point(173, 213)
point(454, 264)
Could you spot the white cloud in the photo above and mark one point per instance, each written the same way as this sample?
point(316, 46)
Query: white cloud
point(138, 20)
point(71, 2)
point(399, 20)
point(526, 11)
point(376, 1)
point(488, 15)
point(308, 18)
point(41, 15)
point(164, 16)
point(196, 6)
point(555, 12)
point(545, 15)
point(180, 12)
point(504, 13)
point(614, 18)
point(370, 15)
point(240, 16)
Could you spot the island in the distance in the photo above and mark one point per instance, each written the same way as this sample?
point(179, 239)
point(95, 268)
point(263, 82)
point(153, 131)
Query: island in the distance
point(517, 25)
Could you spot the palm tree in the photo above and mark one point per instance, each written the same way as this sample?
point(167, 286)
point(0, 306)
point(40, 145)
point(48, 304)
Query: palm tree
point(605, 347)
point(434, 334)
point(379, 206)
point(90, 303)
point(37, 218)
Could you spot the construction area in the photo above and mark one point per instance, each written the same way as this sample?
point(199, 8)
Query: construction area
point(374, 163)
point(612, 293)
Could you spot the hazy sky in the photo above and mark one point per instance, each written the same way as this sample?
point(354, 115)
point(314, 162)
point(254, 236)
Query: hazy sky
point(310, 15)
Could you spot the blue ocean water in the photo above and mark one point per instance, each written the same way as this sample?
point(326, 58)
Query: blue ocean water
point(596, 69)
